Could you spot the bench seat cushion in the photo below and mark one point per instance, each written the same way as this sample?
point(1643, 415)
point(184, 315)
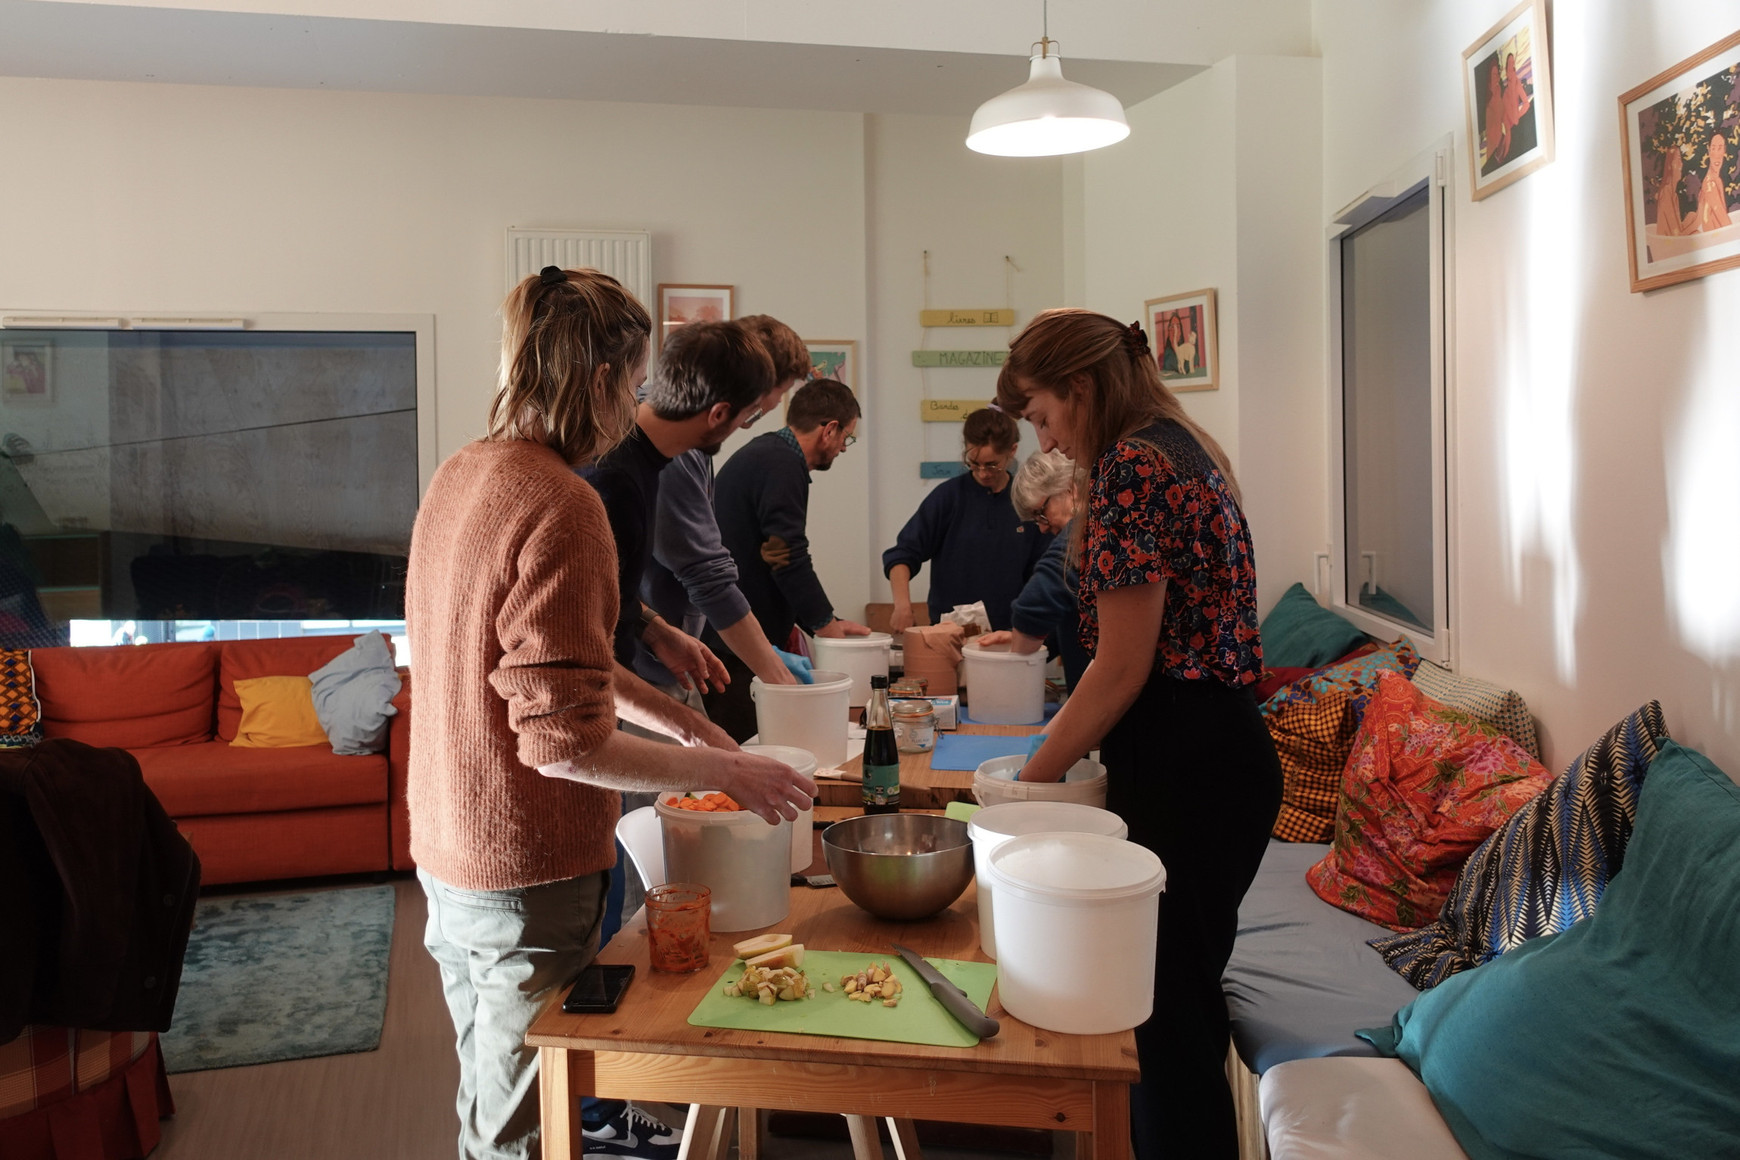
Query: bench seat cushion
point(218, 778)
point(1351, 1109)
point(1302, 979)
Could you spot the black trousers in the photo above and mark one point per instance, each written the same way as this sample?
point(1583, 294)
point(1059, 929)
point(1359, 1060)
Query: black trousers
point(734, 709)
point(1191, 770)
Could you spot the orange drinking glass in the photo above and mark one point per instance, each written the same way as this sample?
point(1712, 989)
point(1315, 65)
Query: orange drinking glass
point(677, 921)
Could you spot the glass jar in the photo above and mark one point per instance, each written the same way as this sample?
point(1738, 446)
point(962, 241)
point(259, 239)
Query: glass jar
point(909, 687)
point(914, 726)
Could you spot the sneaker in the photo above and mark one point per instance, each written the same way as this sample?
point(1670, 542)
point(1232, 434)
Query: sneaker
point(631, 1132)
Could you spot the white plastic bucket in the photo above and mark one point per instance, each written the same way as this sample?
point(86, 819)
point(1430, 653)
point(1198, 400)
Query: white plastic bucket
point(811, 717)
point(1077, 916)
point(994, 825)
point(802, 830)
point(1004, 687)
point(745, 862)
point(859, 657)
point(994, 783)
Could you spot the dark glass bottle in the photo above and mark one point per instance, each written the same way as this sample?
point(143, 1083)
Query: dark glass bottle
point(881, 791)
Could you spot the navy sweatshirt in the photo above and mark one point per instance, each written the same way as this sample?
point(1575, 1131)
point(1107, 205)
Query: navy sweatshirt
point(977, 547)
point(762, 498)
point(1047, 607)
point(627, 480)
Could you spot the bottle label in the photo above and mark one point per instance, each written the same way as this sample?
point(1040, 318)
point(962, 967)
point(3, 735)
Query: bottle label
point(881, 785)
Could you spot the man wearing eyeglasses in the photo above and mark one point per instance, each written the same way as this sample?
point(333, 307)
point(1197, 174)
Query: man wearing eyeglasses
point(762, 503)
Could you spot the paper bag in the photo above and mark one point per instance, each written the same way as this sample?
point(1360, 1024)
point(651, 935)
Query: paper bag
point(934, 652)
point(972, 618)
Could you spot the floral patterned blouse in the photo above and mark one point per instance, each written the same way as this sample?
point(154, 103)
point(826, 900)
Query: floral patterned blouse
point(1159, 509)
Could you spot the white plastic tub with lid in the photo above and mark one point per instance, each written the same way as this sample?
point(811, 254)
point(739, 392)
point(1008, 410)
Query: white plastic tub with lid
point(802, 830)
point(994, 782)
point(811, 717)
point(1004, 687)
point(859, 657)
point(994, 825)
point(1076, 917)
point(745, 862)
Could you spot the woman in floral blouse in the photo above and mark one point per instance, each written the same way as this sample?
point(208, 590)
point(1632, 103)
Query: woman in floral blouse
point(1169, 615)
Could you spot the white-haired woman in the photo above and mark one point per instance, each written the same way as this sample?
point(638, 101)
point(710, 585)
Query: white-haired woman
point(1044, 491)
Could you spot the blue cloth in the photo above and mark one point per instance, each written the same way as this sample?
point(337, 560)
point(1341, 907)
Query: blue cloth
point(1619, 1036)
point(762, 499)
point(800, 666)
point(691, 579)
point(968, 751)
point(977, 547)
point(1047, 607)
point(627, 480)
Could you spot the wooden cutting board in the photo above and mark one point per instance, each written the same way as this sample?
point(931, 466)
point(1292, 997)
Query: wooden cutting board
point(919, 1018)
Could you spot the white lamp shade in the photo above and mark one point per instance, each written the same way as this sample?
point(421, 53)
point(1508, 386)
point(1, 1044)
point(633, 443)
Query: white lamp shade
point(1047, 116)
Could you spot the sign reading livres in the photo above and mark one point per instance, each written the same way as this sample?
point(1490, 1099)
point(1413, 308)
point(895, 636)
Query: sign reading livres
point(948, 410)
point(998, 317)
point(959, 358)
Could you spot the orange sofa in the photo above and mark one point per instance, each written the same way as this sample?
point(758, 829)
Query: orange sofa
point(251, 814)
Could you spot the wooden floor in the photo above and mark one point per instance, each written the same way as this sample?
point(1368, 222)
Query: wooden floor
point(394, 1103)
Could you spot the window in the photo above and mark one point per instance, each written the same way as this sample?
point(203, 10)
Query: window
point(1390, 563)
point(167, 479)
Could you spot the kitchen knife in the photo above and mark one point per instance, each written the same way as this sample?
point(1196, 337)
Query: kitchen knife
point(949, 995)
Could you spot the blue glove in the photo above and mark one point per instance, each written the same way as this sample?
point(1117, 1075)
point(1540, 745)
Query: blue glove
point(800, 666)
point(1033, 744)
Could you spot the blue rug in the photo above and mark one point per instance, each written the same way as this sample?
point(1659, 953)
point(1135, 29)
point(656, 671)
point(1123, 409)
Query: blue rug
point(285, 976)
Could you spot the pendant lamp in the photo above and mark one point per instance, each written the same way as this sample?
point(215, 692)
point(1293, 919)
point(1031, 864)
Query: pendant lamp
point(1048, 115)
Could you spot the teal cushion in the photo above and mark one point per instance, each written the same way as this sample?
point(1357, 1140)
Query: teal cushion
point(1619, 1037)
point(1300, 633)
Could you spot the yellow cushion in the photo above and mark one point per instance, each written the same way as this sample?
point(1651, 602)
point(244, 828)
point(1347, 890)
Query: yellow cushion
point(277, 712)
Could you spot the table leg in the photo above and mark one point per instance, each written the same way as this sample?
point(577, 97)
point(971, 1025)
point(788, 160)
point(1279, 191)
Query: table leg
point(559, 1099)
point(905, 1136)
point(866, 1145)
point(748, 1134)
point(1110, 1139)
point(707, 1134)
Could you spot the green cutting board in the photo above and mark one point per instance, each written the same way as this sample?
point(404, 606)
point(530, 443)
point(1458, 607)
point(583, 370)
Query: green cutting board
point(919, 1018)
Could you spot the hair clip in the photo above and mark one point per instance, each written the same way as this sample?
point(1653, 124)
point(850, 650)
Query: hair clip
point(550, 275)
point(1136, 337)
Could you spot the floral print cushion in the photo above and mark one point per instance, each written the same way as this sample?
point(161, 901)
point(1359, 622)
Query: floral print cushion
point(1355, 674)
point(1424, 787)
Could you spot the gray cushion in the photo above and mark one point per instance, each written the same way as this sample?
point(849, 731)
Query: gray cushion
point(353, 695)
point(1302, 978)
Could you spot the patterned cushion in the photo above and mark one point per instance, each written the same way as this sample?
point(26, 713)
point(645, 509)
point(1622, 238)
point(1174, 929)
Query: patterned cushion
point(1313, 739)
point(1426, 784)
point(1356, 674)
point(20, 712)
point(1504, 708)
point(1545, 868)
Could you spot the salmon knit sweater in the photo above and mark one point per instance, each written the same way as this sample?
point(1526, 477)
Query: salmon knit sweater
point(509, 604)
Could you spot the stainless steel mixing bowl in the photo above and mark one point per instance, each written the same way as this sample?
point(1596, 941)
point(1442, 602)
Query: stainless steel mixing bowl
point(900, 866)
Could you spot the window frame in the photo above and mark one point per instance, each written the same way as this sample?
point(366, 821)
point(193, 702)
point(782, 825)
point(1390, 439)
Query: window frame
point(1433, 171)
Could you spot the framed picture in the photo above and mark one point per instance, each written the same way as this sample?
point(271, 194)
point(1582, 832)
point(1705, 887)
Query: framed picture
point(1507, 91)
point(1181, 335)
point(679, 304)
point(26, 372)
point(834, 359)
point(1680, 134)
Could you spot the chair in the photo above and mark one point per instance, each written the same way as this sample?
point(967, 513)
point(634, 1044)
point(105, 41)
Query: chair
point(708, 1130)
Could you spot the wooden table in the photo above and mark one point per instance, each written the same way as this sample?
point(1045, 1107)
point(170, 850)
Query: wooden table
point(921, 787)
point(646, 1050)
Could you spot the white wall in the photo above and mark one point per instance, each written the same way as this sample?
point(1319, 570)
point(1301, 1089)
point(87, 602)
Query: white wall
point(927, 191)
point(1215, 187)
point(1597, 492)
point(165, 199)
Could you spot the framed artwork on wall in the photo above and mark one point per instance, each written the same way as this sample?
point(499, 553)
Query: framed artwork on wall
point(1182, 336)
point(832, 358)
point(26, 372)
point(1680, 136)
point(1507, 91)
point(680, 303)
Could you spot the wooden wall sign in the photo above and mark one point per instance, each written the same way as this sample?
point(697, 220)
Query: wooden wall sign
point(998, 317)
point(948, 410)
point(941, 469)
point(959, 358)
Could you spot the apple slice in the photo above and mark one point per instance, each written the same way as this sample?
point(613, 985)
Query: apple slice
point(786, 956)
point(760, 945)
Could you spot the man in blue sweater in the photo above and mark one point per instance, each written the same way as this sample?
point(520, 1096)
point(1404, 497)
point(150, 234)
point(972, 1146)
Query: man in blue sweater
point(762, 503)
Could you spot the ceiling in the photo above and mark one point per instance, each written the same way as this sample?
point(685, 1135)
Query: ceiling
point(132, 42)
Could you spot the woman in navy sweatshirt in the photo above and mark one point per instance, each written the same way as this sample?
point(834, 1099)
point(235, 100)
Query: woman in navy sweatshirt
point(978, 548)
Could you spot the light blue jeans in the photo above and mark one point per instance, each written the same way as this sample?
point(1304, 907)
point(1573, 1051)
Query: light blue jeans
point(502, 953)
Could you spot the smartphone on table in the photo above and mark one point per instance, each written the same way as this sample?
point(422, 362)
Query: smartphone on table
point(598, 989)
